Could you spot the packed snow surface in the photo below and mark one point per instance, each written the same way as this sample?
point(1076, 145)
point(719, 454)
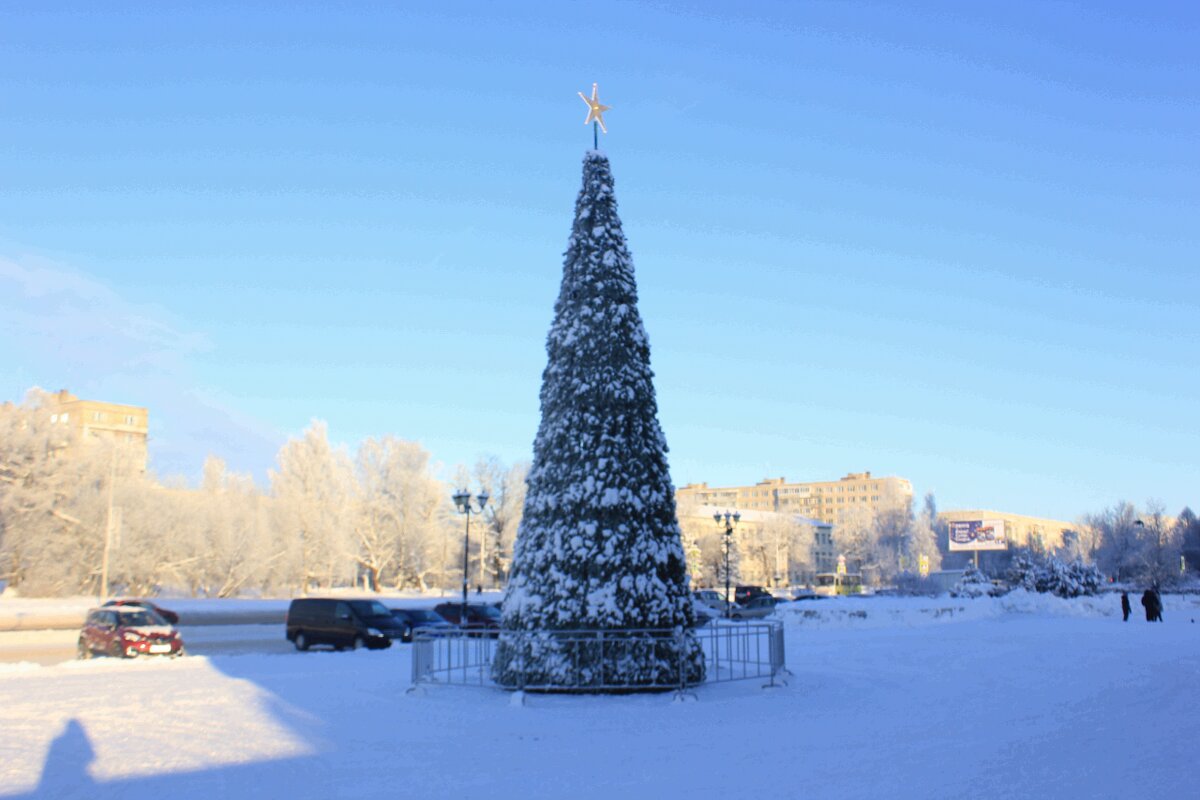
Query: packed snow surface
point(1019, 696)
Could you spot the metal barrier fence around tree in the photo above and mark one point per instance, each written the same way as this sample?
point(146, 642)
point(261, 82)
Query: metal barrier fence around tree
point(732, 652)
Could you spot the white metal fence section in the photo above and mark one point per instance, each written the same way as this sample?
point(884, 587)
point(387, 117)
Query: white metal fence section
point(732, 652)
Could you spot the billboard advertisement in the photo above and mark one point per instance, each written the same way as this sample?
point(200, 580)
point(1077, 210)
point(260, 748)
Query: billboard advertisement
point(978, 534)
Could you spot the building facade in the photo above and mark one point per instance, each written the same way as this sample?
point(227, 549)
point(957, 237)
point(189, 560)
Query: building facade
point(770, 548)
point(125, 427)
point(827, 501)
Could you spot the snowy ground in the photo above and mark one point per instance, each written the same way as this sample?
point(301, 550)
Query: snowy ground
point(1016, 697)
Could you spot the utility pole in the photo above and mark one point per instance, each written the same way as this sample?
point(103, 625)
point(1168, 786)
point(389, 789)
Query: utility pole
point(108, 524)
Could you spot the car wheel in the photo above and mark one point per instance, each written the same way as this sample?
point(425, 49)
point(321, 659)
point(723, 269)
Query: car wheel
point(84, 651)
point(180, 652)
point(114, 651)
point(358, 643)
point(301, 641)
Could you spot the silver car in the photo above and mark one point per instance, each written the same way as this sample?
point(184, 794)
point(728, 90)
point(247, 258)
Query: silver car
point(756, 608)
point(713, 599)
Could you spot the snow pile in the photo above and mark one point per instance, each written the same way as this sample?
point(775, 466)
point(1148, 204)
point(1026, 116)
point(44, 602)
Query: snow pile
point(915, 612)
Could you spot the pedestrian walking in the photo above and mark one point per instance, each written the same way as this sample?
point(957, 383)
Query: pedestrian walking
point(1125, 607)
point(1157, 605)
point(1148, 603)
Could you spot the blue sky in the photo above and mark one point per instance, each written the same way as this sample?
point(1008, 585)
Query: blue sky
point(947, 241)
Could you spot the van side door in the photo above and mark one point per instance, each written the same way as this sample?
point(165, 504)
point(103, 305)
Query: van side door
point(344, 624)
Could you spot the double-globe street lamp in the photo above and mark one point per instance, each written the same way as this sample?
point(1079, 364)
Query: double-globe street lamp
point(730, 521)
point(462, 500)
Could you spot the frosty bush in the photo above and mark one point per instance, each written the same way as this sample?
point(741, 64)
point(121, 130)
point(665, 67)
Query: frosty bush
point(1052, 576)
point(975, 584)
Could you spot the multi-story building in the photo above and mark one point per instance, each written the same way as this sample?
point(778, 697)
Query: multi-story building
point(91, 421)
point(827, 501)
point(1021, 531)
point(774, 549)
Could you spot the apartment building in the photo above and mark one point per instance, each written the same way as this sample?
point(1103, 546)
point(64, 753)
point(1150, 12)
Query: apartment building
point(827, 501)
point(91, 421)
point(774, 549)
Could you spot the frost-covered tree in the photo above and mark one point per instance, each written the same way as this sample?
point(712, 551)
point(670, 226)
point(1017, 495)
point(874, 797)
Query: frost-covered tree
point(1035, 572)
point(502, 517)
point(1119, 545)
point(599, 544)
point(53, 501)
point(314, 494)
point(400, 510)
point(927, 536)
point(1187, 533)
point(1160, 547)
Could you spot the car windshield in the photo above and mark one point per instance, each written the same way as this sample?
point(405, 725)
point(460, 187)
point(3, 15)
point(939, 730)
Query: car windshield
point(139, 618)
point(370, 608)
point(425, 615)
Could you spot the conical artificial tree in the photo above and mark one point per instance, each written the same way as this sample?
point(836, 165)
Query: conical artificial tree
point(599, 548)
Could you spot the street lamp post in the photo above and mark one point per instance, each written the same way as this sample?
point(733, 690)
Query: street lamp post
point(730, 521)
point(462, 500)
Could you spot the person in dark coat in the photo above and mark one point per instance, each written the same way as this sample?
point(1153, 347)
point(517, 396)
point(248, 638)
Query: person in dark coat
point(1157, 605)
point(1148, 602)
point(1125, 607)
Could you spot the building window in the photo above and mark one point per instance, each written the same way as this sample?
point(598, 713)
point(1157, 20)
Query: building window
point(97, 416)
point(129, 420)
point(64, 417)
point(53, 418)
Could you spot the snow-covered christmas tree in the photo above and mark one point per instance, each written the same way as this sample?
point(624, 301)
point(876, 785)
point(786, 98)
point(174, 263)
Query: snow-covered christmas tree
point(599, 545)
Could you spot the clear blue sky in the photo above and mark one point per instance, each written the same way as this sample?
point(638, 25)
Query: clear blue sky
point(953, 242)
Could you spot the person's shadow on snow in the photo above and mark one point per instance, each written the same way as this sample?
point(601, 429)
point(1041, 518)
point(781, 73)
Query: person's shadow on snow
point(65, 772)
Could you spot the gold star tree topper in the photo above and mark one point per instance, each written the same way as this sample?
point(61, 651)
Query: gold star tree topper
point(595, 109)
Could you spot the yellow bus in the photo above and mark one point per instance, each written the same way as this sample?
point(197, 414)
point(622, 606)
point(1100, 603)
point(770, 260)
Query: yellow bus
point(830, 584)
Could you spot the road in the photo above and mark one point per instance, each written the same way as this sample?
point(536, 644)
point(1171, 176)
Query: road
point(48, 647)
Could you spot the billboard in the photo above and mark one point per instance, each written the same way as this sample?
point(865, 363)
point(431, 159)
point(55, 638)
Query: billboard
point(978, 534)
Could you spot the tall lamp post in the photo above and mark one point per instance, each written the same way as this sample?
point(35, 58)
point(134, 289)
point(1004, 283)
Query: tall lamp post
point(730, 521)
point(462, 500)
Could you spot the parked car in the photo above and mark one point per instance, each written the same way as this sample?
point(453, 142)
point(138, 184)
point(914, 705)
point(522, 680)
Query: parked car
point(744, 594)
point(713, 599)
point(480, 616)
point(341, 623)
point(704, 613)
point(128, 632)
point(805, 594)
point(418, 619)
point(755, 608)
point(140, 602)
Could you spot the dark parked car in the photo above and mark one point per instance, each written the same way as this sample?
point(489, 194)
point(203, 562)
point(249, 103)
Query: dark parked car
point(418, 619)
point(744, 594)
point(341, 623)
point(128, 632)
point(480, 616)
point(139, 602)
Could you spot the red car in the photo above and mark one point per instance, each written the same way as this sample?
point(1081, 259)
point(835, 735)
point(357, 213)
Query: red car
point(169, 616)
point(128, 632)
